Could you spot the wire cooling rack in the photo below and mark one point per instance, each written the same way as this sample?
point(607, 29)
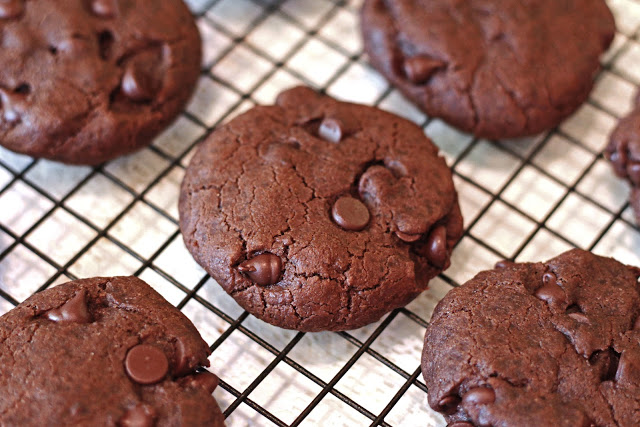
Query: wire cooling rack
point(526, 200)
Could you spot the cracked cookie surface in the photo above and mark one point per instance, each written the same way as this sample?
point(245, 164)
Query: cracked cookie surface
point(494, 68)
point(103, 352)
point(555, 343)
point(85, 81)
point(318, 215)
point(623, 152)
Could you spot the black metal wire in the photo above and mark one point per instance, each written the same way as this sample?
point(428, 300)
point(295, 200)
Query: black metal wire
point(236, 325)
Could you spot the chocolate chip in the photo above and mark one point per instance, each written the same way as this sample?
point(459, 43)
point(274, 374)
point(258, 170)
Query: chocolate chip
point(104, 8)
point(350, 214)
point(579, 317)
point(575, 312)
point(437, 253)
point(479, 396)
point(11, 8)
point(409, 238)
point(331, 130)
point(204, 380)
point(146, 364)
point(74, 310)
point(138, 416)
point(460, 424)
point(633, 170)
point(549, 278)
point(504, 264)
point(448, 405)
point(551, 294)
point(264, 269)
point(419, 69)
point(11, 105)
point(136, 84)
point(636, 324)
point(181, 364)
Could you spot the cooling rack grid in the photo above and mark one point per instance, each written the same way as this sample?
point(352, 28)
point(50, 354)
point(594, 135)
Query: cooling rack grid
point(527, 200)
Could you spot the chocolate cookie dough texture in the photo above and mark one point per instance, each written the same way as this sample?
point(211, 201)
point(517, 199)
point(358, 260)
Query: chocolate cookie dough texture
point(543, 344)
point(318, 215)
point(103, 352)
point(495, 68)
point(623, 152)
point(85, 81)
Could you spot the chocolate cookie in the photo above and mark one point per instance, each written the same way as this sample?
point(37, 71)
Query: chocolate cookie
point(623, 152)
point(85, 81)
point(103, 352)
point(545, 344)
point(496, 68)
point(318, 215)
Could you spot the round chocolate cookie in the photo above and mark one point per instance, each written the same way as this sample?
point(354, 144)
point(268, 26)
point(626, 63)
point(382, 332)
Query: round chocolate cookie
point(495, 68)
point(544, 344)
point(623, 152)
point(85, 81)
point(318, 215)
point(103, 352)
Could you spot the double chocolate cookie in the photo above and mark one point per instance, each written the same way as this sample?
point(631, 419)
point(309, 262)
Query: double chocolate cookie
point(103, 352)
point(496, 68)
point(85, 81)
point(545, 344)
point(318, 215)
point(623, 152)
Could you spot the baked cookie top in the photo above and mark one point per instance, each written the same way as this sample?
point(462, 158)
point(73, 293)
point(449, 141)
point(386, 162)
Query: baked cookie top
point(85, 81)
point(316, 214)
point(103, 352)
point(555, 343)
point(495, 68)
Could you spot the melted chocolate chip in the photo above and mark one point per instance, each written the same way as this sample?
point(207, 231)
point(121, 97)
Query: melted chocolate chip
point(409, 238)
point(104, 8)
point(204, 380)
point(437, 253)
point(136, 84)
point(74, 310)
point(264, 269)
point(479, 396)
point(11, 8)
point(331, 130)
point(350, 214)
point(448, 405)
point(138, 416)
point(460, 424)
point(146, 364)
point(419, 69)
